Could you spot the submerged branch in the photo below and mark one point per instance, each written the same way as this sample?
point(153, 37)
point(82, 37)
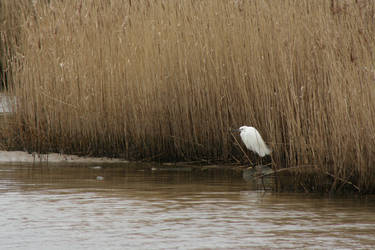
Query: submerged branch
point(344, 181)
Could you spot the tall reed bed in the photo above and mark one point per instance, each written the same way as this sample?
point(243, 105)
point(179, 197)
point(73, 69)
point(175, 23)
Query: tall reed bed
point(166, 80)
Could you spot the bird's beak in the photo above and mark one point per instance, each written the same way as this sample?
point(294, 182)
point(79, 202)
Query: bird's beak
point(235, 130)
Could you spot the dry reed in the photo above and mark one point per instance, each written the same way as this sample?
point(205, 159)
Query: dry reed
point(166, 80)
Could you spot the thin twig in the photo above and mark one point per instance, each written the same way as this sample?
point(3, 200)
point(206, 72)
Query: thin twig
point(58, 100)
point(241, 148)
point(181, 139)
point(343, 180)
point(238, 161)
point(283, 170)
point(151, 157)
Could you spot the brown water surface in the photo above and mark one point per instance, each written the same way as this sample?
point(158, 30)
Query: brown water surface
point(144, 207)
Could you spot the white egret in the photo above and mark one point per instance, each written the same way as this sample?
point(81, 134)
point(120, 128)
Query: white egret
point(253, 141)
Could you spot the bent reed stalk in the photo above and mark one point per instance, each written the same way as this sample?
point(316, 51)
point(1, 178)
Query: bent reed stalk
point(167, 80)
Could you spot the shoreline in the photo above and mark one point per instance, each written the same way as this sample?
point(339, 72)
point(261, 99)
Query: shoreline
point(24, 157)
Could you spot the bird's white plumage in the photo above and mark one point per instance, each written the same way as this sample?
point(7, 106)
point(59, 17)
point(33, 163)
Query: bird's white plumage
point(253, 141)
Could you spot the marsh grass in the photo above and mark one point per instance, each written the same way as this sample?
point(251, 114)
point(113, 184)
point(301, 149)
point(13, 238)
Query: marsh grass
point(166, 80)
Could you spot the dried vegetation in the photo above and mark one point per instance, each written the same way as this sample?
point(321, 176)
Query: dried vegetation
point(168, 79)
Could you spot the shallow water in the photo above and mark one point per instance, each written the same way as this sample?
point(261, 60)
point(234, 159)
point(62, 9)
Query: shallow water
point(143, 207)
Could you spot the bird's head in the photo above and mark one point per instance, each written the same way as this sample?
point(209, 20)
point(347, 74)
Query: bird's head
point(239, 129)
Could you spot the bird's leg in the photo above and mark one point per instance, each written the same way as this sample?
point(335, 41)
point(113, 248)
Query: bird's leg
point(264, 187)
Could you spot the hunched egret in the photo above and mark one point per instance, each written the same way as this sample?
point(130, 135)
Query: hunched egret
point(253, 141)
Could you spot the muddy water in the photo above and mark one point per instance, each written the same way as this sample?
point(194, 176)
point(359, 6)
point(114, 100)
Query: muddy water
point(143, 207)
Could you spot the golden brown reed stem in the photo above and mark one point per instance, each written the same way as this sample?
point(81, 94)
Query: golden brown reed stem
point(139, 79)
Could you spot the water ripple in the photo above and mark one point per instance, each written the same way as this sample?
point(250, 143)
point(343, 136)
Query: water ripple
point(60, 209)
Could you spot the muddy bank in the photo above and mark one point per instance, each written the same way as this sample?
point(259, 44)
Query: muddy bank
point(20, 156)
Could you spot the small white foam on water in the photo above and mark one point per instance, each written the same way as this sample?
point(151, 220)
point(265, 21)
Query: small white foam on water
point(99, 178)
